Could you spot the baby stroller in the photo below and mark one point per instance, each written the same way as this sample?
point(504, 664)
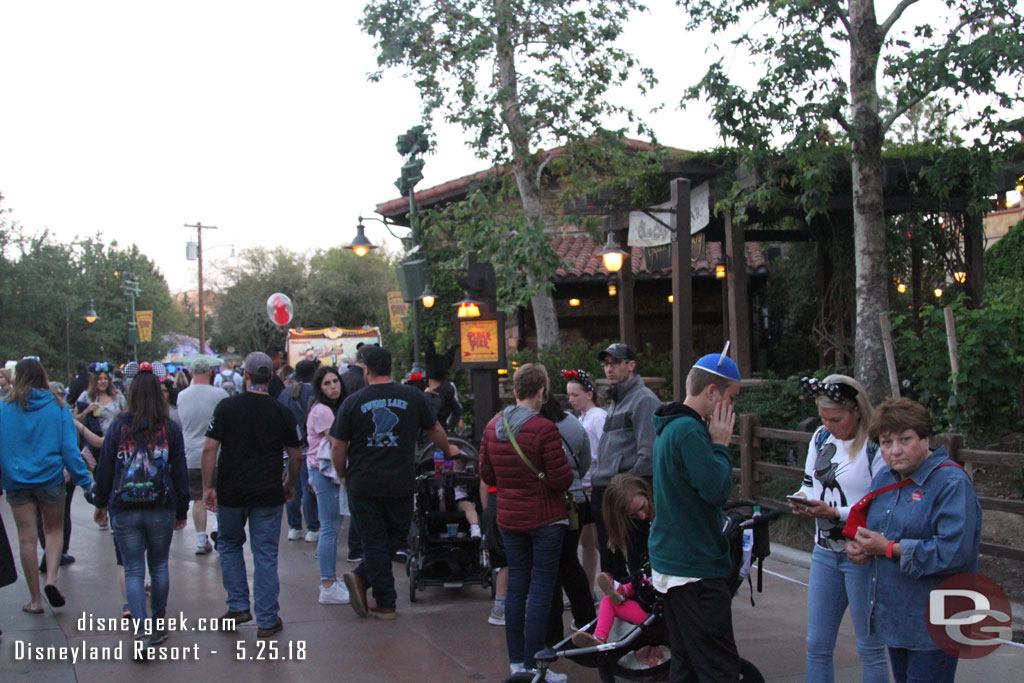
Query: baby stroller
point(641, 652)
point(443, 551)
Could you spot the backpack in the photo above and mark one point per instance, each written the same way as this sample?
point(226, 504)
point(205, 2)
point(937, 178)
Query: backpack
point(299, 398)
point(142, 481)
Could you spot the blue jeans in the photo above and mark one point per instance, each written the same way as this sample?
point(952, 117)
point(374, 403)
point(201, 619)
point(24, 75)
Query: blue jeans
point(835, 582)
point(383, 525)
point(144, 536)
point(303, 504)
point(265, 529)
point(330, 521)
point(922, 666)
point(532, 569)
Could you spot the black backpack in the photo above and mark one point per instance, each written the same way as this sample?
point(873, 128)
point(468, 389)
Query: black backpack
point(142, 481)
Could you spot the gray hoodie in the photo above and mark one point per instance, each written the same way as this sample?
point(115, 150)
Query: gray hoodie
point(517, 416)
point(628, 439)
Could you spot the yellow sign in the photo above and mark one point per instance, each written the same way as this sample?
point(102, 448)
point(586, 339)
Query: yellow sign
point(481, 341)
point(144, 319)
point(397, 310)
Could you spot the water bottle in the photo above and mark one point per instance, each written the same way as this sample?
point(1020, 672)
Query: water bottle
point(748, 545)
point(438, 463)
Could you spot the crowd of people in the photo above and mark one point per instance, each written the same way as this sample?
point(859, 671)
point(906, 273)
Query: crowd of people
point(568, 497)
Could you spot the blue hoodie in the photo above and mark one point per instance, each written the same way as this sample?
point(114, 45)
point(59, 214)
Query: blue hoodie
point(38, 443)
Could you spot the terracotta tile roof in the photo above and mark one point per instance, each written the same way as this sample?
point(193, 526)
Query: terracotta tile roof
point(583, 261)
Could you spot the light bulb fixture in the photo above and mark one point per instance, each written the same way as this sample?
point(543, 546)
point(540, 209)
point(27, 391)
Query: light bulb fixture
point(960, 273)
point(361, 245)
point(938, 291)
point(901, 287)
point(90, 313)
point(427, 297)
point(574, 302)
point(503, 372)
point(671, 298)
point(612, 289)
point(720, 271)
point(468, 309)
point(612, 255)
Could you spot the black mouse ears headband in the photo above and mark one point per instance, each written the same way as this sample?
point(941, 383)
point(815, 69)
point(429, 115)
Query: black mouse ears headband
point(579, 375)
point(812, 387)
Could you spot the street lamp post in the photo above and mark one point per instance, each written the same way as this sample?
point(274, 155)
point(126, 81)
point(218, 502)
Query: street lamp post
point(132, 290)
point(199, 227)
point(90, 317)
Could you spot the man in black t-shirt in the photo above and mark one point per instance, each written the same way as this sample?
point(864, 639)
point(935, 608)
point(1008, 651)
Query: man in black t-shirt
point(374, 437)
point(251, 430)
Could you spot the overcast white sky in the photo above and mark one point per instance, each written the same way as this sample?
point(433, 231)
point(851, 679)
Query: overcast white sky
point(133, 118)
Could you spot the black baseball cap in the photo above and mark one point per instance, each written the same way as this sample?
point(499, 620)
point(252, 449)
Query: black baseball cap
point(617, 350)
point(376, 359)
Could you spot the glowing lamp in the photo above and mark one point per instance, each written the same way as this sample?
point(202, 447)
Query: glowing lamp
point(938, 291)
point(427, 297)
point(468, 309)
point(901, 287)
point(671, 298)
point(720, 271)
point(612, 255)
point(612, 289)
point(90, 313)
point(960, 276)
point(361, 245)
point(574, 302)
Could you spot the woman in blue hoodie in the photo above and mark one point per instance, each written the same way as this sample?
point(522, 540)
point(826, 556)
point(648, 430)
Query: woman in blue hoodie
point(37, 445)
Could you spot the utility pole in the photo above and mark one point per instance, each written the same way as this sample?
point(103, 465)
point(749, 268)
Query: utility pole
point(132, 290)
point(199, 227)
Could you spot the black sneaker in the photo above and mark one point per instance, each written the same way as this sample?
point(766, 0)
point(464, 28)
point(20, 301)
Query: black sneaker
point(271, 630)
point(401, 555)
point(239, 617)
point(66, 559)
point(355, 558)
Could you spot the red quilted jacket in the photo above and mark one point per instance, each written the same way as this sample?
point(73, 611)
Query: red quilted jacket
point(524, 501)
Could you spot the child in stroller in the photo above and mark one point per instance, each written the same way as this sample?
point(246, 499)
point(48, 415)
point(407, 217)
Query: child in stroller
point(446, 532)
point(641, 653)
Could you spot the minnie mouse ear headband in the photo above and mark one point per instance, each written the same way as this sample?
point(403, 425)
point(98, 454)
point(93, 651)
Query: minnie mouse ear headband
point(812, 387)
point(157, 368)
point(100, 367)
point(579, 375)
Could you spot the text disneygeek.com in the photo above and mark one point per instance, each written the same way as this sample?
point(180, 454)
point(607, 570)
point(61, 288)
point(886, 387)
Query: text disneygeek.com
point(261, 650)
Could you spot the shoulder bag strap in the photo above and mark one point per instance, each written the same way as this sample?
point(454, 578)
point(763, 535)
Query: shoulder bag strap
point(515, 444)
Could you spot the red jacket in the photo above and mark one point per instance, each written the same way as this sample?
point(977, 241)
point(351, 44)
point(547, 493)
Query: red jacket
point(524, 501)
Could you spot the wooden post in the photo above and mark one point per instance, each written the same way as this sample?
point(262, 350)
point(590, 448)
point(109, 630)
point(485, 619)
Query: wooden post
point(974, 249)
point(739, 299)
point(750, 453)
point(682, 289)
point(627, 313)
point(954, 443)
point(890, 357)
point(954, 361)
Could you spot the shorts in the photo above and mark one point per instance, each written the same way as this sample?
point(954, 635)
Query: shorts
point(195, 482)
point(492, 537)
point(40, 496)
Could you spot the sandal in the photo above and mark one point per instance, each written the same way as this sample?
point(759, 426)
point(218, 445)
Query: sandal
point(54, 596)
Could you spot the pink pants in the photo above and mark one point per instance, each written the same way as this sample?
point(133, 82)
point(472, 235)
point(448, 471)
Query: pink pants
point(630, 611)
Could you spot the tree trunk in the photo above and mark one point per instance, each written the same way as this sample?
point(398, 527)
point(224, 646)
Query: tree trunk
point(529, 192)
point(868, 209)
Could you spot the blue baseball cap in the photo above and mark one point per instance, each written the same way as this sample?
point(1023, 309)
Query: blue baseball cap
point(719, 364)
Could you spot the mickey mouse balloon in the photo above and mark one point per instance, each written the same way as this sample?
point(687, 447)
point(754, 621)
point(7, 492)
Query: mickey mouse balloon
point(279, 308)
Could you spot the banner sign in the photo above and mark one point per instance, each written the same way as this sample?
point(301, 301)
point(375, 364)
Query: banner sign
point(144, 319)
point(482, 342)
point(398, 309)
point(644, 231)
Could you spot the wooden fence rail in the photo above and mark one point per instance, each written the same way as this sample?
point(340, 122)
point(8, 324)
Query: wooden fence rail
point(751, 467)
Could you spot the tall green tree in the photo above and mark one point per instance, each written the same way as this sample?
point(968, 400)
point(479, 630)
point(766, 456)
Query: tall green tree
point(964, 49)
point(516, 75)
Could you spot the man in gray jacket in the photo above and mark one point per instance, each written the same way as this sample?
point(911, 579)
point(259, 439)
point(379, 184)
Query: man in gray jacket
point(626, 446)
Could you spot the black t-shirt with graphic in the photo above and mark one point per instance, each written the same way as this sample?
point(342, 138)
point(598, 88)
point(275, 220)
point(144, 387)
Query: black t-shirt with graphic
point(253, 430)
point(380, 422)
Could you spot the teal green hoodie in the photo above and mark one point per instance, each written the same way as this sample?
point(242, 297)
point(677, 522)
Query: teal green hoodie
point(38, 443)
point(692, 480)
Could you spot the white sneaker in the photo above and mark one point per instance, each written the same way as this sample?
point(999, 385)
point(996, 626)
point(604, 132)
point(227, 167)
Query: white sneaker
point(474, 531)
point(312, 536)
point(337, 594)
point(516, 667)
point(295, 534)
point(552, 676)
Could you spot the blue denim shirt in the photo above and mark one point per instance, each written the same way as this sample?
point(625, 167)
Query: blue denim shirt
point(937, 522)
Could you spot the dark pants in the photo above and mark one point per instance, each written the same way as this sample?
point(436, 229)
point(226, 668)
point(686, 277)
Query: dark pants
point(612, 562)
point(70, 488)
point(918, 666)
point(355, 546)
point(303, 504)
point(699, 620)
point(383, 524)
point(573, 580)
point(532, 570)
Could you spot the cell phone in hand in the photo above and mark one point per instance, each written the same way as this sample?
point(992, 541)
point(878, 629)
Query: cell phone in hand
point(800, 500)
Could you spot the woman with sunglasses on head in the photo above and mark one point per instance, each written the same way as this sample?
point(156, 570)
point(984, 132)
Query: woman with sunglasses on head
point(143, 475)
point(584, 400)
point(98, 405)
point(840, 463)
point(37, 445)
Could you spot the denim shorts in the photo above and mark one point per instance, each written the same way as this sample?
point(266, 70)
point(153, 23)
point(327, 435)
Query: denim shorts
point(40, 496)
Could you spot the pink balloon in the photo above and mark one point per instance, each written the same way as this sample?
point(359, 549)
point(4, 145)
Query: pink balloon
point(279, 309)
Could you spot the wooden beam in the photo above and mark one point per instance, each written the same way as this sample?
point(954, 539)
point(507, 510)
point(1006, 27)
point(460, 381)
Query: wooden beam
point(682, 289)
point(627, 320)
point(974, 249)
point(738, 297)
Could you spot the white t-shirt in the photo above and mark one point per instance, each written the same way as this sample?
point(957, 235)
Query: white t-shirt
point(195, 408)
point(832, 476)
point(593, 423)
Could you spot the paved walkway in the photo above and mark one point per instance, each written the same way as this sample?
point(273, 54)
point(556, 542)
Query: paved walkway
point(444, 636)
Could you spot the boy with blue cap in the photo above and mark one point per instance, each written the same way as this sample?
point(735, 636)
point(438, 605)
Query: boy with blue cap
point(688, 552)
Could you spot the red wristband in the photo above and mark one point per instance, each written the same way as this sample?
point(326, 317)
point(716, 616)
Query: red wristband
point(888, 549)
